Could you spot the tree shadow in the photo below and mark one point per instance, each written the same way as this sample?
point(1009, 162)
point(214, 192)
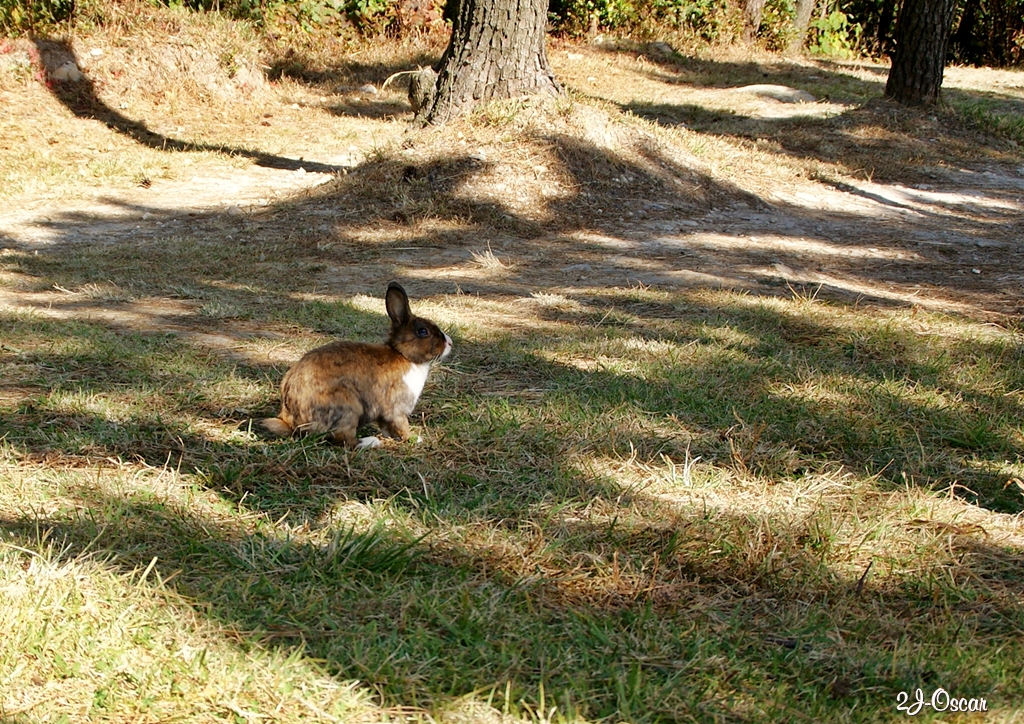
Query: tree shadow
point(769, 246)
point(802, 391)
point(80, 97)
point(916, 235)
point(774, 413)
point(678, 69)
point(876, 139)
point(872, 136)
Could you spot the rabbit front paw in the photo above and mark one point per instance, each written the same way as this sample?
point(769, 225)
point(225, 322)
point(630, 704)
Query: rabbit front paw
point(365, 442)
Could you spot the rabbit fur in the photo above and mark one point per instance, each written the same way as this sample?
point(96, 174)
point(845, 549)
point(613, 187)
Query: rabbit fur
point(337, 388)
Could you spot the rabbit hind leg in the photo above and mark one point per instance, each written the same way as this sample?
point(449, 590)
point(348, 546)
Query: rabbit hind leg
point(339, 419)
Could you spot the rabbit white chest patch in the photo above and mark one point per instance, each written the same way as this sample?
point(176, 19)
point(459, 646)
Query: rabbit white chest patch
point(415, 378)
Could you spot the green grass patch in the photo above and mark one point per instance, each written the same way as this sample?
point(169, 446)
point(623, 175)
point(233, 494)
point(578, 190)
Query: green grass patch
point(996, 115)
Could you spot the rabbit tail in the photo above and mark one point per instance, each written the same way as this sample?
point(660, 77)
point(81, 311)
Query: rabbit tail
point(277, 426)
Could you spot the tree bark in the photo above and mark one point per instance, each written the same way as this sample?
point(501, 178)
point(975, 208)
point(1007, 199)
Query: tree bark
point(882, 36)
point(801, 21)
point(922, 37)
point(496, 51)
point(752, 11)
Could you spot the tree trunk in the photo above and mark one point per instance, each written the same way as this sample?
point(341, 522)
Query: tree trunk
point(801, 20)
point(882, 36)
point(752, 10)
point(496, 51)
point(922, 36)
point(963, 42)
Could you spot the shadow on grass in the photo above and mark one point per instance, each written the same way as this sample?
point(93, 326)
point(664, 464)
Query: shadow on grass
point(648, 621)
point(538, 568)
point(873, 137)
point(243, 274)
point(81, 99)
point(935, 235)
point(775, 392)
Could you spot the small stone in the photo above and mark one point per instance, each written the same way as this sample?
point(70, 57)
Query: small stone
point(68, 72)
point(663, 49)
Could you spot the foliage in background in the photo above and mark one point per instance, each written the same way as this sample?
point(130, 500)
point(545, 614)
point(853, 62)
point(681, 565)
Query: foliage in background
point(369, 17)
point(834, 36)
point(777, 29)
point(21, 16)
point(985, 33)
point(989, 33)
point(710, 20)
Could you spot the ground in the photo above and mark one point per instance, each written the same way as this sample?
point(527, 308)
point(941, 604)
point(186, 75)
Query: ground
point(767, 194)
point(731, 429)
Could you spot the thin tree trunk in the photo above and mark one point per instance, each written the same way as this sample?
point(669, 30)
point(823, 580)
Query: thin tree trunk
point(882, 36)
point(752, 10)
point(922, 36)
point(801, 21)
point(496, 51)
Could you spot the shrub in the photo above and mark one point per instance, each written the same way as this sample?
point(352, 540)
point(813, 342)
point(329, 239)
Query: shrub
point(31, 16)
point(834, 35)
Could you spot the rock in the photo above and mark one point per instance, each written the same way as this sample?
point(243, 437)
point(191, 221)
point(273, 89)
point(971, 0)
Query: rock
point(67, 72)
point(368, 89)
point(662, 49)
point(781, 93)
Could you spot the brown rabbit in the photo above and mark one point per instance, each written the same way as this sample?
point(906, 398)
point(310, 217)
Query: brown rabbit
point(338, 387)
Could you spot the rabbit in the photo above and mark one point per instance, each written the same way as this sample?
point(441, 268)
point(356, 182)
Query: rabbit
point(336, 388)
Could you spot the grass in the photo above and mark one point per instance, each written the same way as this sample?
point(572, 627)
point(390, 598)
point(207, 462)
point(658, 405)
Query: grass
point(993, 116)
point(647, 507)
point(633, 501)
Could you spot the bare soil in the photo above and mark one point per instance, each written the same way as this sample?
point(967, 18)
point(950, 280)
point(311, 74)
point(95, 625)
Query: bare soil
point(657, 169)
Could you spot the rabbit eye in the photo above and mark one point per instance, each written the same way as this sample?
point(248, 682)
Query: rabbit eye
point(422, 332)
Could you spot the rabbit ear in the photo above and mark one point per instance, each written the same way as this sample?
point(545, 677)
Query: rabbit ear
point(397, 303)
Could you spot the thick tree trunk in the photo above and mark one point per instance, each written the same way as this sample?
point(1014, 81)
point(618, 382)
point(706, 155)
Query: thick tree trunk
point(922, 36)
point(496, 51)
